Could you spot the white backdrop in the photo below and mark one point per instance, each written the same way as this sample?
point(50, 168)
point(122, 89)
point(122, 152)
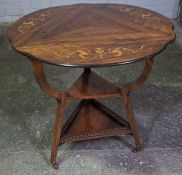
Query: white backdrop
point(10, 10)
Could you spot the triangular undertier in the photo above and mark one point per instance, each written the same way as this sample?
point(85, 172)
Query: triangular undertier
point(90, 85)
point(93, 120)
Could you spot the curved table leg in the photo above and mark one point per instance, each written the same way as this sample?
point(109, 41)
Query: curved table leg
point(125, 98)
point(57, 130)
point(61, 103)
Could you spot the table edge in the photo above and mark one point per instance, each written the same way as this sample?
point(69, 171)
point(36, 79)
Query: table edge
point(28, 55)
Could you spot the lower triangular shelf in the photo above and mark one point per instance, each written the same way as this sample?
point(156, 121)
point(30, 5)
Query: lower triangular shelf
point(93, 120)
point(90, 85)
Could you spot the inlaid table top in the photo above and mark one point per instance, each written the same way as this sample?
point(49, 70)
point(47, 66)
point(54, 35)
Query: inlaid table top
point(91, 35)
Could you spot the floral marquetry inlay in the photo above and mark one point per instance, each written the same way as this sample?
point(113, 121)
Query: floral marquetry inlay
point(83, 53)
point(27, 24)
point(111, 52)
point(139, 13)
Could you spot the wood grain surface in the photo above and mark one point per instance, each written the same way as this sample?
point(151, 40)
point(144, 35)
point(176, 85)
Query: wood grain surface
point(91, 35)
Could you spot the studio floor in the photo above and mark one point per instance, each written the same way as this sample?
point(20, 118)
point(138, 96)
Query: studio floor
point(27, 116)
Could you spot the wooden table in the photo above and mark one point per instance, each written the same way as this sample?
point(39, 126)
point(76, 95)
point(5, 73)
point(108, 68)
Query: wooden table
point(87, 36)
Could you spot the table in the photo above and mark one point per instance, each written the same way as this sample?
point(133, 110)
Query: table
point(87, 36)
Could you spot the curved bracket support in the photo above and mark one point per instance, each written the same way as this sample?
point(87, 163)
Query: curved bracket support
point(142, 78)
point(41, 80)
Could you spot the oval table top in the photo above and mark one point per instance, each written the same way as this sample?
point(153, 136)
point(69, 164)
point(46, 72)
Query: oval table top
point(91, 35)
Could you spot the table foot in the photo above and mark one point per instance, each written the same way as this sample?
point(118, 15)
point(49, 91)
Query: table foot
point(55, 165)
point(137, 148)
